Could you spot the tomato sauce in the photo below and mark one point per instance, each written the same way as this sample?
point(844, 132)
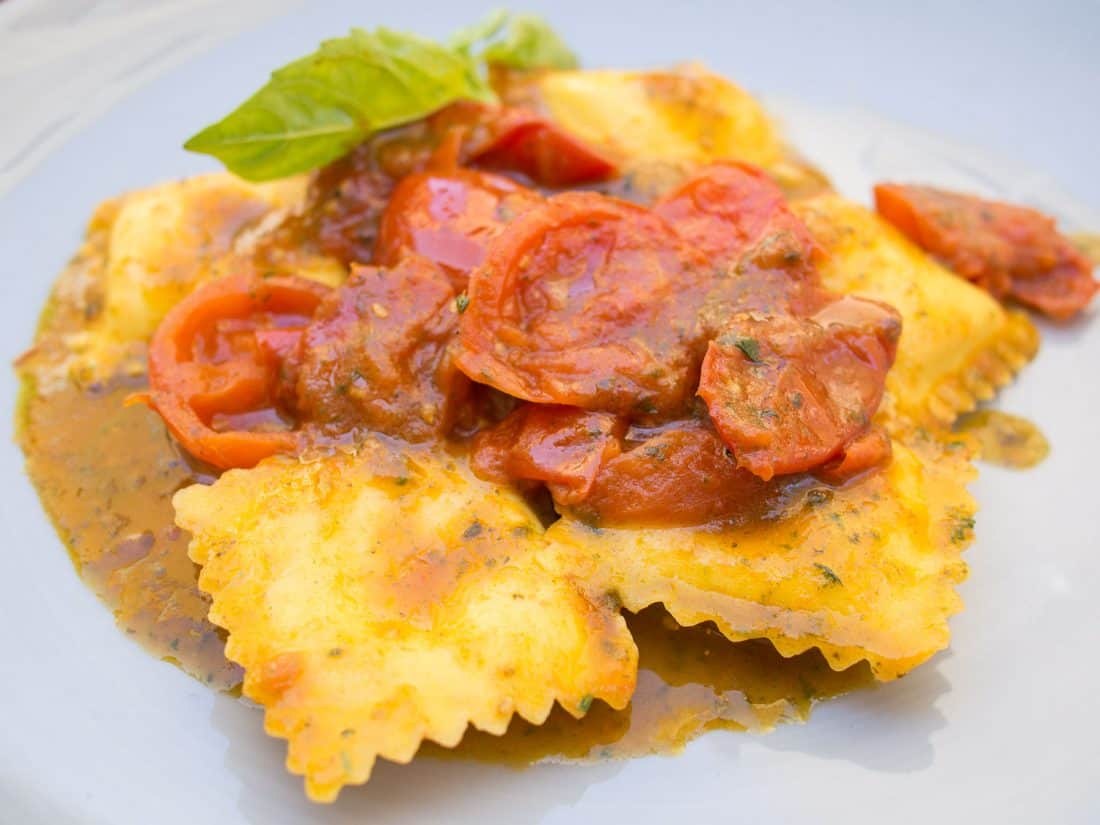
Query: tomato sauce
point(701, 316)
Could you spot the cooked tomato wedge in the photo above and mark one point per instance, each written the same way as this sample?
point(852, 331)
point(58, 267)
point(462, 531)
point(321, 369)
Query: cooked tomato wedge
point(1011, 251)
point(449, 217)
point(561, 446)
point(725, 208)
point(681, 474)
point(762, 253)
point(214, 366)
point(788, 394)
point(377, 355)
point(520, 140)
point(865, 452)
point(585, 301)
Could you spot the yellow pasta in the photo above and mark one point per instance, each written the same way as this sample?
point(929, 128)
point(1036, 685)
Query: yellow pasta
point(656, 122)
point(381, 599)
point(866, 572)
point(958, 344)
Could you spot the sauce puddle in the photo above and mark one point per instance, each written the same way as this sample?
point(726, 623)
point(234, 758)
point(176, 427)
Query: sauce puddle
point(106, 474)
point(1005, 440)
point(690, 680)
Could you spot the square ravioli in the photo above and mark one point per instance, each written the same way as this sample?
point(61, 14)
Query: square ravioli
point(863, 572)
point(381, 599)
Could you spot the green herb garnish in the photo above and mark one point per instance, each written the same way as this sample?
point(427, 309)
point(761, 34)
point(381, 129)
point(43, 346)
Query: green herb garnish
point(461, 302)
point(750, 347)
point(585, 703)
point(827, 572)
point(316, 109)
point(518, 41)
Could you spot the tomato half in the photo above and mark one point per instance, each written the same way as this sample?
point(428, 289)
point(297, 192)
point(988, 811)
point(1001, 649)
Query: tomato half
point(762, 254)
point(522, 141)
point(585, 301)
point(787, 394)
point(561, 446)
point(449, 217)
point(214, 365)
point(1011, 251)
point(681, 474)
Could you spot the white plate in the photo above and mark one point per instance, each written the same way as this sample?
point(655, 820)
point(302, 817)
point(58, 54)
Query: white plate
point(1000, 728)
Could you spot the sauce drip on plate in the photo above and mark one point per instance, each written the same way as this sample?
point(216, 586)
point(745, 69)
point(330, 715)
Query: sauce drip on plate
point(1005, 440)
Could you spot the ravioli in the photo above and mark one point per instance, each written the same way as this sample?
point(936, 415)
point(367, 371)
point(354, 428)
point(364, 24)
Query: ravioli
point(380, 599)
point(958, 345)
point(160, 243)
point(680, 118)
point(865, 572)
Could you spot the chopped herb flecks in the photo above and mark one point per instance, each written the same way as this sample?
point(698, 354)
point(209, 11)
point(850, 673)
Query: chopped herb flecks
point(750, 347)
point(827, 572)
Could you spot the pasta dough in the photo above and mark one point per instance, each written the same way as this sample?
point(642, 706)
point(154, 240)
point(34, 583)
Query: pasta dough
point(381, 599)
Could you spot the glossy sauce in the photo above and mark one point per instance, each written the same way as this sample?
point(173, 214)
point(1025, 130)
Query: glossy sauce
point(690, 680)
point(83, 445)
point(1005, 440)
point(106, 474)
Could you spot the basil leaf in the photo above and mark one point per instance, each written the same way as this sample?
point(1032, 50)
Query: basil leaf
point(530, 43)
point(518, 41)
point(318, 108)
point(486, 29)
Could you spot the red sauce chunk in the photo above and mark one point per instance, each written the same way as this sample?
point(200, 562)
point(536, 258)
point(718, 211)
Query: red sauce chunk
point(787, 393)
point(1011, 251)
point(377, 356)
point(586, 301)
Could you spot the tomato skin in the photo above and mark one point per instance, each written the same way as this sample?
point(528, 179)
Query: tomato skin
point(788, 394)
point(585, 301)
point(726, 207)
point(738, 219)
point(561, 446)
point(529, 143)
point(216, 353)
point(1011, 251)
point(867, 451)
point(377, 356)
point(449, 217)
point(681, 475)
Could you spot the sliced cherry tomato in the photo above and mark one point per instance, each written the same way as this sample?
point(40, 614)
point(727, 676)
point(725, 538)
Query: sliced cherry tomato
point(683, 474)
point(585, 301)
point(214, 366)
point(561, 446)
point(449, 218)
point(377, 355)
point(1011, 251)
point(788, 394)
point(872, 449)
point(520, 140)
point(762, 253)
